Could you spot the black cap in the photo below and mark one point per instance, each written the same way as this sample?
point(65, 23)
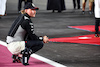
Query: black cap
point(30, 5)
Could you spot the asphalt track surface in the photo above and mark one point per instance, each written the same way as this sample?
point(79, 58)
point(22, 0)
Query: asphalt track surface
point(54, 25)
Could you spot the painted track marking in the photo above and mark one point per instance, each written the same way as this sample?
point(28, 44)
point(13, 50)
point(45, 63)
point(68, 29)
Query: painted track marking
point(53, 63)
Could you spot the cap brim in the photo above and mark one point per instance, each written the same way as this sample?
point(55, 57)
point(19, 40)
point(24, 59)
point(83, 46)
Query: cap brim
point(35, 8)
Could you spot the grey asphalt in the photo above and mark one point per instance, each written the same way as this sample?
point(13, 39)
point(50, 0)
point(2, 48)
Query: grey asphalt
point(54, 25)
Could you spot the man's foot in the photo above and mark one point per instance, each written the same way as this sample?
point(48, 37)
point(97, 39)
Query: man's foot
point(83, 12)
point(90, 12)
point(53, 11)
point(26, 64)
point(19, 11)
point(78, 8)
point(16, 58)
point(74, 8)
point(26, 55)
point(59, 11)
point(96, 35)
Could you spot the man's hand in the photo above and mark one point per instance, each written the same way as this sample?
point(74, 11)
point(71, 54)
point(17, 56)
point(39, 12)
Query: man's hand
point(45, 39)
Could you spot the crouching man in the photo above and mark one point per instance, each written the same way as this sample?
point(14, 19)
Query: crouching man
point(21, 39)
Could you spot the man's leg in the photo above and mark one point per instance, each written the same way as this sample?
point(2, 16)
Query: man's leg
point(83, 6)
point(29, 1)
point(90, 6)
point(74, 4)
point(97, 21)
point(78, 4)
point(31, 47)
point(26, 55)
point(16, 58)
point(93, 7)
point(34, 45)
point(19, 5)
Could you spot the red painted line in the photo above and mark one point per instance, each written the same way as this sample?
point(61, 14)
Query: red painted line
point(85, 27)
point(85, 39)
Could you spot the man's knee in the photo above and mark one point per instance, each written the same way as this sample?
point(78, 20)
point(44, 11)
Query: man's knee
point(37, 47)
point(40, 45)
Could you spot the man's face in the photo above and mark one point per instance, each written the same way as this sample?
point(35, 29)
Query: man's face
point(31, 12)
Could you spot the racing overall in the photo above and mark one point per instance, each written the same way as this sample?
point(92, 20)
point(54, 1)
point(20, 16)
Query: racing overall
point(22, 34)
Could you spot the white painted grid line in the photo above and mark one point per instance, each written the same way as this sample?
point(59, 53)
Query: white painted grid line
point(53, 63)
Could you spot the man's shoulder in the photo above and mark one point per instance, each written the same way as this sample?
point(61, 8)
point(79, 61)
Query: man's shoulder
point(26, 21)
